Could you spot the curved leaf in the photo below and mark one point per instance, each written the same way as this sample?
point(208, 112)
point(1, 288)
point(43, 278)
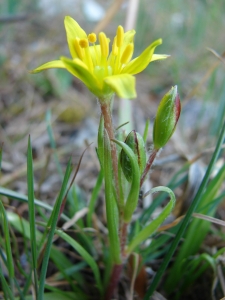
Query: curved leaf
point(151, 228)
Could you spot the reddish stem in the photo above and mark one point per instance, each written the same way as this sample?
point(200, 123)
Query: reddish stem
point(148, 165)
point(123, 239)
point(106, 112)
point(114, 279)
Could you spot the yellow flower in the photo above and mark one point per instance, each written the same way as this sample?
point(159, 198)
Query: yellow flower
point(102, 72)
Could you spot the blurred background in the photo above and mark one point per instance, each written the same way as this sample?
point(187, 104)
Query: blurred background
point(55, 104)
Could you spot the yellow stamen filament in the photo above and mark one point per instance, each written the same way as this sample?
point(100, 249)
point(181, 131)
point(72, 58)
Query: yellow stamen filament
point(120, 36)
point(104, 44)
point(127, 54)
point(92, 38)
point(114, 47)
point(83, 43)
point(78, 49)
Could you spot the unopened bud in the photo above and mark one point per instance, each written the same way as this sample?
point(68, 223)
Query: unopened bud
point(135, 141)
point(166, 119)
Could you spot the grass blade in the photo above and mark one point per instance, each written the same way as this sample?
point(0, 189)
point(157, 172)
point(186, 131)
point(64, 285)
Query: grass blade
point(53, 218)
point(196, 232)
point(187, 217)
point(9, 262)
point(20, 197)
point(86, 256)
point(5, 287)
point(151, 228)
point(31, 209)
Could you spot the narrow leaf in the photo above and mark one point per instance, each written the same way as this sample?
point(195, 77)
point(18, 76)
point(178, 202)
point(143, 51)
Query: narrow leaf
point(31, 207)
point(151, 228)
point(10, 265)
point(86, 256)
point(111, 207)
point(133, 196)
point(52, 225)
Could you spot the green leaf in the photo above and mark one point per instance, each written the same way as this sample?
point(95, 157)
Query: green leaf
point(151, 228)
point(7, 290)
point(187, 218)
point(197, 230)
point(111, 206)
point(9, 257)
point(52, 224)
point(20, 197)
point(31, 210)
point(133, 195)
point(59, 259)
point(86, 256)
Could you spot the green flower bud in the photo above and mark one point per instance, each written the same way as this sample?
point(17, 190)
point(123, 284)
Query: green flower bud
point(166, 119)
point(135, 141)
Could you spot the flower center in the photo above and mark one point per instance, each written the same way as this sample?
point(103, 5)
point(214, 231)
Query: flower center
point(97, 58)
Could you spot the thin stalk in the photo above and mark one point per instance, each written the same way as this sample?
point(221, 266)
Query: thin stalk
point(148, 165)
point(114, 279)
point(123, 239)
point(106, 113)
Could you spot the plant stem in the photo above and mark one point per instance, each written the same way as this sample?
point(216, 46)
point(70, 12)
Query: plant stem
point(106, 113)
point(123, 239)
point(148, 165)
point(114, 279)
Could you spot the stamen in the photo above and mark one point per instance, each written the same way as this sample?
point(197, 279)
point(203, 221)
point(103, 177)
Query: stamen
point(120, 36)
point(83, 43)
point(114, 47)
point(78, 49)
point(127, 53)
point(92, 37)
point(103, 44)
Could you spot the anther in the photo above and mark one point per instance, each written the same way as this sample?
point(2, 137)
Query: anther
point(92, 37)
point(83, 43)
point(103, 44)
point(127, 53)
point(120, 36)
point(78, 49)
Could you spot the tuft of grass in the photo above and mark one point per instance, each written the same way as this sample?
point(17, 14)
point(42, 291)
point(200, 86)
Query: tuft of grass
point(188, 216)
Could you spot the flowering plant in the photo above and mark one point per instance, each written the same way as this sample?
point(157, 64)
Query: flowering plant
point(124, 164)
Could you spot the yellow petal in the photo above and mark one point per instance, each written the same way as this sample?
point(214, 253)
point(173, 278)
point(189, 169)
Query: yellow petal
point(159, 56)
point(49, 65)
point(123, 85)
point(73, 30)
point(141, 62)
point(79, 70)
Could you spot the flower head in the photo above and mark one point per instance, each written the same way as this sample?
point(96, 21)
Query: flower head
point(102, 72)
